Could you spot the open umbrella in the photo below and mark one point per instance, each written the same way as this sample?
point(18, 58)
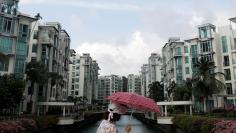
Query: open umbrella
point(135, 101)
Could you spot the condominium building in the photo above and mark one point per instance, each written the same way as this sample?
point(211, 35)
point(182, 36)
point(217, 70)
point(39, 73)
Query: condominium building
point(107, 85)
point(83, 81)
point(134, 83)
point(144, 79)
point(50, 45)
point(217, 45)
point(151, 72)
point(14, 38)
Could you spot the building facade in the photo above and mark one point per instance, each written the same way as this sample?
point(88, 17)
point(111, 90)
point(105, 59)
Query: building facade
point(14, 38)
point(134, 83)
point(49, 45)
point(83, 81)
point(108, 85)
point(216, 45)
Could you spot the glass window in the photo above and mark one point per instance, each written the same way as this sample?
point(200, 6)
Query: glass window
point(185, 49)
point(229, 88)
point(76, 93)
point(224, 44)
point(76, 86)
point(179, 62)
point(227, 74)
point(6, 45)
point(206, 46)
point(178, 51)
point(187, 70)
point(234, 43)
point(23, 33)
point(186, 60)
point(226, 60)
point(34, 48)
point(72, 87)
point(77, 80)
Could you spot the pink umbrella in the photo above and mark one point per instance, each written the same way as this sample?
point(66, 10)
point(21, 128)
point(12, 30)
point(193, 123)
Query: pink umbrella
point(135, 101)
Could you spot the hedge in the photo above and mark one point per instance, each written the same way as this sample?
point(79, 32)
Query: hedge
point(28, 125)
point(195, 124)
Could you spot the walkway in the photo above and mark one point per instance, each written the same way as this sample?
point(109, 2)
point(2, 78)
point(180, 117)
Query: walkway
point(137, 126)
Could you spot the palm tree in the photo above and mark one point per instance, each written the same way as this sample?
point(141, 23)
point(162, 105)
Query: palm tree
point(83, 101)
point(205, 81)
point(36, 73)
point(55, 80)
point(171, 90)
point(183, 92)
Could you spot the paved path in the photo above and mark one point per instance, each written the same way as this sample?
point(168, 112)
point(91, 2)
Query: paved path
point(137, 126)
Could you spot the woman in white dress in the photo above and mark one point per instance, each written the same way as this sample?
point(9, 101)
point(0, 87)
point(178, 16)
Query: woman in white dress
point(110, 117)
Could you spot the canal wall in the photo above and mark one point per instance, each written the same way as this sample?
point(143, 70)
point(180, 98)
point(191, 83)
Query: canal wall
point(153, 123)
point(88, 120)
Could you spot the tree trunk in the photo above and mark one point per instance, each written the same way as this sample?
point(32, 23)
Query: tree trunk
point(204, 104)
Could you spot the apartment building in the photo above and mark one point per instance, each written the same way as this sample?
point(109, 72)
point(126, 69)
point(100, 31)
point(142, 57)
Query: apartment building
point(83, 81)
point(50, 45)
point(134, 83)
point(15, 35)
point(213, 44)
point(107, 85)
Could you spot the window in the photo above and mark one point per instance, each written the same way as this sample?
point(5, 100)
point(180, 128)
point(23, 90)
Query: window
point(7, 25)
point(34, 48)
point(3, 65)
point(77, 67)
point(73, 80)
point(77, 80)
point(187, 70)
point(206, 46)
point(178, 51)
point(72, 87)
point(229, 88)
point(185, 49)
point(23, 33)
point(76, 93)
point(227, 74)
point(179, 62)
point(186, 60)
point(76, 86)
point(226, 60)
point(234, 43)
point(224, 44)
point(193, 50)
point(6, 45)
point(78, 61)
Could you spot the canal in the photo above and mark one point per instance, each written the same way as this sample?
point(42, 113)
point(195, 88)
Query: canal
point(137, 126)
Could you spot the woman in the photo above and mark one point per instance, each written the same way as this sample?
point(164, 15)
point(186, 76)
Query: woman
point(110, 118)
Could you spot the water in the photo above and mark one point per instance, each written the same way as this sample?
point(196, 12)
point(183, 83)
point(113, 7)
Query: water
point(137, 126)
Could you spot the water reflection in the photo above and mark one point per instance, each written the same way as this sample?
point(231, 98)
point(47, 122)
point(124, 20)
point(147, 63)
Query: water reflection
point(137, 126)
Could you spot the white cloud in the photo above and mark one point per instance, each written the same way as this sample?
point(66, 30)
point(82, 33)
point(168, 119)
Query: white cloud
point(123, 59)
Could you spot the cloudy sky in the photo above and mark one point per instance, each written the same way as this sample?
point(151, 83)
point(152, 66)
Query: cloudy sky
point(121, 34)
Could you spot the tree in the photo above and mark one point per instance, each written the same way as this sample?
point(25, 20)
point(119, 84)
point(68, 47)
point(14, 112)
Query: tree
point(171, 90)
point(56, 79)
point(83, 101)
point(183, 92)
point(11, 92)
point(36, 73)
point(156, 91)
point(205, 81)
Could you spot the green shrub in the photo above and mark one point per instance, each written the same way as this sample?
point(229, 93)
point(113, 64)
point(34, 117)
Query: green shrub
point(45, 121)
point(195, 124)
